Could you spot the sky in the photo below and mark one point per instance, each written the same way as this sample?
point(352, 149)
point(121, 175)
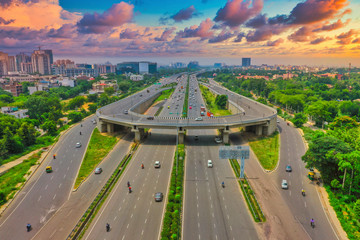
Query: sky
point(307, 32)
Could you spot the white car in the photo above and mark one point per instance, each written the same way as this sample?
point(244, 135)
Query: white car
point(284, 184)
point(218, 140)
point(157, 164)
point(198, 119)
point(78, 145)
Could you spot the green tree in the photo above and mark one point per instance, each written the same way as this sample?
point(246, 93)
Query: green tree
point(39, 104)
point(3, 149)
point(343, 122)
point(109, 91)
point(6, 98)
point(75, 117)
point(124, 86)
point(76, 102)
point(93, 97)
point(299, 119)
point(92, 108)
point(357, 208)
point(50, 127)
point(27, 133)
point(221, 101)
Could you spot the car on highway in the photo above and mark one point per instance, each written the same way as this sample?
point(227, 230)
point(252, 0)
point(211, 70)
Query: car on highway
point(278, 121)
point(196, 138)
point(210, 164)
point(98, 170)
point(94, 121)
point(150, 118)
point(157, 164)
point(288, 168)
point(284, 184)
point(126, 111)
point(159, 196)
point(168, 107)
point(190, 107)
point(78, 145)
point(198, 119)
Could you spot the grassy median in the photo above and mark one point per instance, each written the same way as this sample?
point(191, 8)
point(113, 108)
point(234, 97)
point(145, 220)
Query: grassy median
point(13, 179)
point(99, 147)
point(165, 94)
point(266, 150)
point(210, 102)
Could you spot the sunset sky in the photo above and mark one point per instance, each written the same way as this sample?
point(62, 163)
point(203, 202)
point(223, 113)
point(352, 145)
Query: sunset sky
point(313, 32)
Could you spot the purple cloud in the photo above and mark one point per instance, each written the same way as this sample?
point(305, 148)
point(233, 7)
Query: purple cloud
point(224, 35)
point(185, 14)
point(165, 35)
point(319, 40)
point(275, 43)
point(115, 16)
point(6, 22)
point(239, 37)
point(65, 31)
point(129, 34)
point(203, 31)
point(301, 35)
point(237, 12)
point(22, 33)
point(330, 27)
point(256, 22)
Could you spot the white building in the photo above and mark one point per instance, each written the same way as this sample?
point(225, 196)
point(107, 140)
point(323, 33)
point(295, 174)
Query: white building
point(136, 77)
point(13, 111)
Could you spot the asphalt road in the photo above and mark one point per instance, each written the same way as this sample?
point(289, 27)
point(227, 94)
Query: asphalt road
point(303, 208)
point(45, 192)
point(210, 211)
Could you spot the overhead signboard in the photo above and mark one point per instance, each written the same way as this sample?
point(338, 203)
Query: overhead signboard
point(234, 152)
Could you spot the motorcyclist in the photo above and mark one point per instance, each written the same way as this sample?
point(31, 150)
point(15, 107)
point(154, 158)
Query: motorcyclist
point(312, 222)
point(107, 227)
point(28, 227)
point(128, 184)
point(80, 133)
point(303, 192)
point(142, 166)
point(129, 189)
point(223, 184)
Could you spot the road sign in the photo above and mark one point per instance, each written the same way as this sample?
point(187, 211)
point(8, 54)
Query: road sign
point(234, 152)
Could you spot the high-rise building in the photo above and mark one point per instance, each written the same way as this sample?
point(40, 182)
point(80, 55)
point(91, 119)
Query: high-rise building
point(40, 60)
point(193, 64)
point(4, 63)
point(12, 64)
point(23, 58)
point(136, 67)
point(49, 52)
point(246, 62)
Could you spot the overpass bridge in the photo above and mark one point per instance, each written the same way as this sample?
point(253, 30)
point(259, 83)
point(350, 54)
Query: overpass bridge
point(128, 112)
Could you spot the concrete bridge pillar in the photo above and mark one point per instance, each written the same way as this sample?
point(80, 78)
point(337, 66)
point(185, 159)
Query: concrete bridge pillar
point(110, 127)
point(139, 133)
point(181, 135)
point(101, 126)
point(225, 136)
point(258, 130)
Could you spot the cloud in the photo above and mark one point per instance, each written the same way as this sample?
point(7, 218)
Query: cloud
point(275, 43)
point(115, 16)
point(165, 35)
point(333, 26)
point(301, 35)
point(357, 40)
point(256, 22)
point(203, 30)
point(224, 35)
point(66, 31)
point(239, 37)
point(346, 37)
point(129, 34)
point(185, 14)
point(5, 3)
point(320, 40)
point(6, 22)
point(237, 12)
point(22, 33)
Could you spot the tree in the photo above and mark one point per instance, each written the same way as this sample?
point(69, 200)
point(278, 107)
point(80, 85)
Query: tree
point(3, 149)
point(124, 86)
point(92, 108)
point(93, 97)
point(299, 119)
point(27, 133)
point(109, 91)
point(50, 127)
point(6, 98)
point(38, 104)
point(343, 122)
point(221, 101)
point(76, 102)
point(357, 208)
point(75, 117)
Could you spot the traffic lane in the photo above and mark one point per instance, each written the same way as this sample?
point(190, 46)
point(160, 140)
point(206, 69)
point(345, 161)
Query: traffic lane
point(47, 193)
point(304, 208)
point(119, 209)
point(280, 223)
point(228, 213)
point(69, 214)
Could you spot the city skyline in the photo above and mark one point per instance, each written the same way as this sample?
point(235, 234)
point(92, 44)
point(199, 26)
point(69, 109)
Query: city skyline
point(311, 32)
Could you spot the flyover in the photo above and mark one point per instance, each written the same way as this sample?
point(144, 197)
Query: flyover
point(128, 112)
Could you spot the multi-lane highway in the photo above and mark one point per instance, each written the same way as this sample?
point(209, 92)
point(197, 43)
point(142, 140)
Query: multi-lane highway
point(45, 192)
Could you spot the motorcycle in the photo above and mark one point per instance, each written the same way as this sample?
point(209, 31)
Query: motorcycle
point(28, 227)
point(142, 166)
point(223, 185)
point(108, 227)
point(303, 193)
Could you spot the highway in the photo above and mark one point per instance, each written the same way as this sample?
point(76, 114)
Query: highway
point(45, 192)
point(210, 211)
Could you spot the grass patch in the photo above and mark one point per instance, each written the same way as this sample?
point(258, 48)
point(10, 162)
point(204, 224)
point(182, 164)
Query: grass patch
point(186, 100)
point(210, 102)
point(165, 94)
point(248, 193)
point(10, 180)
point(172, 220)
point(99, 147)
point(266, 150)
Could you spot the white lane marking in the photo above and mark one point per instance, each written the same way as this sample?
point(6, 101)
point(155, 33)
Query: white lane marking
point(52, 177)
point(39, 198)
point(54, 197)
point(290, 192)
point(64, 176)
point(52, 234)
point(60, 185)
point(115, 218)
point(46, 186)
point(128, 225)
point(145, 220)
point(305, 204)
